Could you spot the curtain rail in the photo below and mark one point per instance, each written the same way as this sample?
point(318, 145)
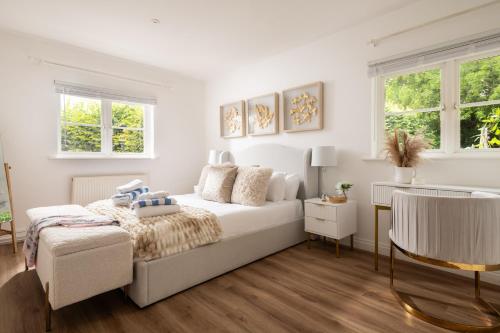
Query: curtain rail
point(93, 71)
point(376, 41)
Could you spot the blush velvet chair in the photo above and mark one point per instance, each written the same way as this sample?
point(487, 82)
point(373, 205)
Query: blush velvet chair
point(458, 233)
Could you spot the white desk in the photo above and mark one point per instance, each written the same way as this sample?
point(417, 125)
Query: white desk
point(382, 194)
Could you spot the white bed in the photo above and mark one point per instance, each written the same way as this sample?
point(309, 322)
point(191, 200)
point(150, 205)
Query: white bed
point(238, 220)
point(249, 233)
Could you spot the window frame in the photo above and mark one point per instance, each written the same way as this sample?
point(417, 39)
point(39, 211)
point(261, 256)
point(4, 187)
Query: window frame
point(449, 113)
point(379, 112)
point(106, 128)
point(457, 102)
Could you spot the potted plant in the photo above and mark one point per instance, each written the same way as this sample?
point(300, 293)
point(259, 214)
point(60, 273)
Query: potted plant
point(403, 151)
point(342, 188)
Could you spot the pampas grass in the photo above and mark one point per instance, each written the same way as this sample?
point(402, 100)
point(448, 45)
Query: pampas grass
point(404, 150)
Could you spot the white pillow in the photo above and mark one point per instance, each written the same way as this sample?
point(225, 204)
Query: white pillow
point(277, 187)
point(477, 194)
point(292, 186)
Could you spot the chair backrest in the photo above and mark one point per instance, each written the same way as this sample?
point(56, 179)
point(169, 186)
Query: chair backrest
point(460, 230)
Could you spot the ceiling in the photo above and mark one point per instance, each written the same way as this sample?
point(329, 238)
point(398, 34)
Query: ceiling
point(199, 38)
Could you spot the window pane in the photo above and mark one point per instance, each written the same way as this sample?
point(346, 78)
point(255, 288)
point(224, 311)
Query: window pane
point(128, 141)
point(413, 91)
point(426, 123)
point(480, 80)
point(480, 127)
point(76, 138)
point(81, 110)
point(127, 115)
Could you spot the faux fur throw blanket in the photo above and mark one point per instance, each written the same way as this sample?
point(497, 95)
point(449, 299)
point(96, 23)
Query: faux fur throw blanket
point(160, 236)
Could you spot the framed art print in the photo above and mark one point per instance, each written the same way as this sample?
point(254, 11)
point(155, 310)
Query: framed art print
point(232, 120)
point(303, 108)
point(262, 115)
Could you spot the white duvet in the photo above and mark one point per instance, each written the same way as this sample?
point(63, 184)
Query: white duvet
point(237, 220)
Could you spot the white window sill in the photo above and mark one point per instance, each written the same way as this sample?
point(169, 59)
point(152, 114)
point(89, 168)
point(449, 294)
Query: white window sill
point(101, 157)
point(477, 155)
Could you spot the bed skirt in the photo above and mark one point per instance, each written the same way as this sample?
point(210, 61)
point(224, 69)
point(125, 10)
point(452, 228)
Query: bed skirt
point(160, 278)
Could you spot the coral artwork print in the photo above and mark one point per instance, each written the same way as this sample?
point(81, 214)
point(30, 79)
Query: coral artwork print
point(304, 108)
point(233, 119)
point(263, 116)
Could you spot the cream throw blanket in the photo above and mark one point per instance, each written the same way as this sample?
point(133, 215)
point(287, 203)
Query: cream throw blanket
point(160, 236)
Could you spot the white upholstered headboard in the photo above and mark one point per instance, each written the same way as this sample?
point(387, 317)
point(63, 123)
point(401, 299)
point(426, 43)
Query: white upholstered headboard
point(282, 158)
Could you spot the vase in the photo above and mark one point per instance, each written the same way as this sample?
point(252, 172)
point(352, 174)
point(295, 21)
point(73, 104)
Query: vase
point(403, 175)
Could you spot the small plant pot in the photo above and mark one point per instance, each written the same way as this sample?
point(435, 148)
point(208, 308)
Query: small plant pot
point(403, 175)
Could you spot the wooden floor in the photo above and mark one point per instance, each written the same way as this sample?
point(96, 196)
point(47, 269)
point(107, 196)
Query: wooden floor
point(296, 290)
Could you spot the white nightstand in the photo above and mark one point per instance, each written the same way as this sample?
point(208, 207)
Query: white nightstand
point(331, 220)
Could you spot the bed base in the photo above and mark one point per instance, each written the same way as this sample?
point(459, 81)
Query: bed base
point(160, 278)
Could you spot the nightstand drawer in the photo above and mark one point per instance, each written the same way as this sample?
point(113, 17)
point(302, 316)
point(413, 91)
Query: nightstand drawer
point(320, 211)
point(321, 226)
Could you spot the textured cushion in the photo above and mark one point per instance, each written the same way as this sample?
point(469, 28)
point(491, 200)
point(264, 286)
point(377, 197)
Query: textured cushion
point(198, 189)
point(219, 183)
point(277, 187)
point(63, 240)
point(250, 187)
point(292, 186)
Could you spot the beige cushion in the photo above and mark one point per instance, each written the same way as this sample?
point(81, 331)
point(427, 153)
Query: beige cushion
point(63, 240)
point(250, 186)
point(198, 189)
point(219, 184)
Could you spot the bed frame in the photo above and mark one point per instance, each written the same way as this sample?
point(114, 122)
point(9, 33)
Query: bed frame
point(160, 278)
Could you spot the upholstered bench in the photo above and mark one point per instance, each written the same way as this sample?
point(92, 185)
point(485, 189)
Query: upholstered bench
point(74, 264)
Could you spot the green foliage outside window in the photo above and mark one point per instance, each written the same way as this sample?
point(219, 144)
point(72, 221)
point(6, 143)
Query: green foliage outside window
point(81, 126)
point(127, 139)
point(480, 82)
point(411, 92)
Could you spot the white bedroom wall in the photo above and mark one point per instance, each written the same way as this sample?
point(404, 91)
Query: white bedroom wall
point(28, 116)
point(340, 61)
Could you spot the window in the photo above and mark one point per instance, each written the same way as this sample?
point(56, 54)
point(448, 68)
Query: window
point(101, 127)
point(454, 104)
point(413, 103)
point(81, 124)
point(480, 103)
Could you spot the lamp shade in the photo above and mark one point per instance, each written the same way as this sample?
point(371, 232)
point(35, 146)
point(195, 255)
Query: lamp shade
point(213, 156)
point(324, 156)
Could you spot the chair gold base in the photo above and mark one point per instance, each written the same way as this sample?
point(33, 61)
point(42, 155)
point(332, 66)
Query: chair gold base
point(412, 309)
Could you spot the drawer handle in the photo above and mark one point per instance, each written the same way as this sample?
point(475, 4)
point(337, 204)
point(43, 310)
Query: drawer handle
point(318, 219)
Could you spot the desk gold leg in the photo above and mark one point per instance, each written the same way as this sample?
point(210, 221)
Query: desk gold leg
point(477, 288)
point(375, 252)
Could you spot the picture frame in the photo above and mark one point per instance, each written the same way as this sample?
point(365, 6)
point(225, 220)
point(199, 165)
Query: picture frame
point(263, 115)
point(302, 108)
point(232, 120)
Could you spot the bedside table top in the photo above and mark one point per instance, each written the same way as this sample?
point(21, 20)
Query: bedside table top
point(318, 201)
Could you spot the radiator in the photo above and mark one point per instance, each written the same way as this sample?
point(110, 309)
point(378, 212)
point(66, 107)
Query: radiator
point(85, 190)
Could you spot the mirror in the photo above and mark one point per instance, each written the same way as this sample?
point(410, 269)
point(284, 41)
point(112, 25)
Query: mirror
point(5, 206)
